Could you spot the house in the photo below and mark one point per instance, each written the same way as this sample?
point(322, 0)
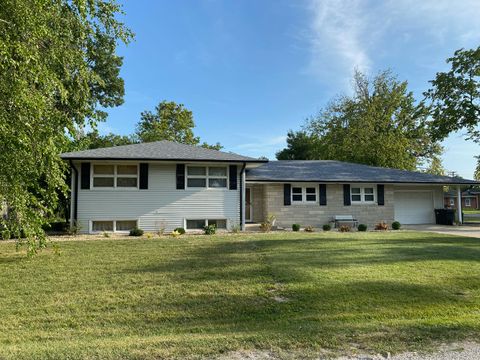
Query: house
point(469, 199)
point(165, 185)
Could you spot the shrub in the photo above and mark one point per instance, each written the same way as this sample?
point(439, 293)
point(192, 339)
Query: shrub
point(362, 227)
point(326, 227)
point(344, 228)
point(396, 225)
point(296, 227)
point(210, 229)
point(180, 230)
point(269, 222)
point(309, 228)
point(106, 234)
point(235, 228)
point(6, 235)
point(381, 226)
point(175, 233)
point(136, 232)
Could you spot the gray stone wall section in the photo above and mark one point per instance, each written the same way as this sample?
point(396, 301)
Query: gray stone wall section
point(316, 215)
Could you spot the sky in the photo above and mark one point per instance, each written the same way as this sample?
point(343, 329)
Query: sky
point(251, 70)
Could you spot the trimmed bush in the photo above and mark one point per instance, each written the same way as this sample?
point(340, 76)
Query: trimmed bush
point(136, 232)
point(326, 227)
point(6, 235)
point(396, 225)
point(362, 227)
point(296, 227)
point(309, 228)
point(344, 228)
point(210, 229)
point(180, 230)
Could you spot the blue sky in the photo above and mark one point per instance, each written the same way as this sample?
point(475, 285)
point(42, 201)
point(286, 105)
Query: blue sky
point(251, 70)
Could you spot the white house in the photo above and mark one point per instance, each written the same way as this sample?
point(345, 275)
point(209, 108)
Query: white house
point(168, 185)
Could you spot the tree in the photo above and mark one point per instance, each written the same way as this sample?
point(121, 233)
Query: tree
point(476, 174)
point(93, 140)
point(380, 124)
point(455, 96)
point(436, 167)
point(58, 69)
point(170, 121)
point(300, 146)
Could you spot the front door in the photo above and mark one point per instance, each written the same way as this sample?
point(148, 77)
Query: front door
point(248, 204)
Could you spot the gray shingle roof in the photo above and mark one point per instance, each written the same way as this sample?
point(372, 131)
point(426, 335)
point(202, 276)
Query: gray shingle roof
point(337, 171)
point(159, 150)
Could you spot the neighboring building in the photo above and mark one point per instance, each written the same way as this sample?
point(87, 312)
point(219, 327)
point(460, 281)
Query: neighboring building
point(469, 199)
point(167, 185)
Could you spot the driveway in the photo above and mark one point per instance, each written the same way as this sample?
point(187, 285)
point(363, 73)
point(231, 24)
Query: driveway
point(463, 230)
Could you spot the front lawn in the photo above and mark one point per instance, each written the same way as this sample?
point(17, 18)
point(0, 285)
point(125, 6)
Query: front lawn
point(188, 297)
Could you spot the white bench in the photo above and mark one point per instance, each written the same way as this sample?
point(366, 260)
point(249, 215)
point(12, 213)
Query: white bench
point(345, 219)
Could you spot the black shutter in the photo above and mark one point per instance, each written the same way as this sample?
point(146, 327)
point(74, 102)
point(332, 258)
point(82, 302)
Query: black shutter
point(143, 176)
point(233, 177)
point(85, 179)
point(322, 194)
point(180, 176)
point(346, 195)
point(287, 194)
point(381, 195)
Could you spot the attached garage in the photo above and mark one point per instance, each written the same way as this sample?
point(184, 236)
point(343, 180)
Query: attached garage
point(414, 207)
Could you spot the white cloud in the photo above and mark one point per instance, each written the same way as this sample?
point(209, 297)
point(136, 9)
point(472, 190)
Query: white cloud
point(346, 34)
point(262, 146)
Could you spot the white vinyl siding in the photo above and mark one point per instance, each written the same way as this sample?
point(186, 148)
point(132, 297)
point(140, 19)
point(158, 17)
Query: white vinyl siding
point(161, 205)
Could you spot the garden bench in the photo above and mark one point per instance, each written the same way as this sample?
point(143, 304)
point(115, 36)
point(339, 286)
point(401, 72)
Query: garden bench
point(345, 219)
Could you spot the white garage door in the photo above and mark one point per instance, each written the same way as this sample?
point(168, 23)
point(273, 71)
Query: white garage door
point(414, 207)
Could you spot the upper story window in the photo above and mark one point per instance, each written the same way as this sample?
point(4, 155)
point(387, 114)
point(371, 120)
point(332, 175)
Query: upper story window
point(468, 202)
point(115, 176)
point(362, 194)
point(207, 176)
point(304, 194)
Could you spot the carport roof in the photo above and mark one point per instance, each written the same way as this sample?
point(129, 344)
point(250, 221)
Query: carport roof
point(343, 172)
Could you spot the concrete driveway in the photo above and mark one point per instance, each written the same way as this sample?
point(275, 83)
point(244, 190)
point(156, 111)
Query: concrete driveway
point(463, 230)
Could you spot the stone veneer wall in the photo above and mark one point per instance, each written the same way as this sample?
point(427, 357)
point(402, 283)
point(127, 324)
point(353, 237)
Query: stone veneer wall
point(316, 215)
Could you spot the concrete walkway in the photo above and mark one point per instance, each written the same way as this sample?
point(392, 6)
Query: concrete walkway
point(463, 230)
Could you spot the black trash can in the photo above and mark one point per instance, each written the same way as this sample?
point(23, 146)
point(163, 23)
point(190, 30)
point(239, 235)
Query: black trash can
point(445, 216)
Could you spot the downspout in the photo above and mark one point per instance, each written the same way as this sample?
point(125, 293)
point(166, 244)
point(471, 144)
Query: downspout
point(242, 196)
point(74, 198)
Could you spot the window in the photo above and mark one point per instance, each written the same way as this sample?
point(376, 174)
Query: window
point(113, 225)
point(195, 224)
point(199, 224)
point(452, 202)
point(125, 225)
point(102, 225)
point(362, 194)
point(304, 194)
point(207, 176)
point(115, 176)
point(468, 202)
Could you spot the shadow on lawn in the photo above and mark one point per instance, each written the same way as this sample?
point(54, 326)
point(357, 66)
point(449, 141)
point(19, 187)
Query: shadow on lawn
point(316, 312)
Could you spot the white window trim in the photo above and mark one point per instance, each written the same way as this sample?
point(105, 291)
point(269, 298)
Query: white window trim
point(469, 203)
point(362, 194)
point(115, 175)
point(206, 177)
point(304, 194)
point(91, 231)
point(452, 202)
point(205, 222)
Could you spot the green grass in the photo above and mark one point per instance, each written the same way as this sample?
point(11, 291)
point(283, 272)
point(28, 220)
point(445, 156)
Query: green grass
point(470, 211)
point(290, 293)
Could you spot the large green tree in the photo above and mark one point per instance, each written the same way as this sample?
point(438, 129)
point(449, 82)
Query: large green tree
point(380, 124)
point(455, 96)
point(170, 121)
point(58, 70)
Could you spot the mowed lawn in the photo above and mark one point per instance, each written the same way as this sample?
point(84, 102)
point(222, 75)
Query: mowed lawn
point(195, 296)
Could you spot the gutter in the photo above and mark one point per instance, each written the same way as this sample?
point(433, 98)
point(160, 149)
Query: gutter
point(241, 194)
point(75, 197)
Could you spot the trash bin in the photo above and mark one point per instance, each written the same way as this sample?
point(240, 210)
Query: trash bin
point(444, 216)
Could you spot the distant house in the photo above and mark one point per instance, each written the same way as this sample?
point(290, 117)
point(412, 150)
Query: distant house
point(469, 199)
point(165, 185)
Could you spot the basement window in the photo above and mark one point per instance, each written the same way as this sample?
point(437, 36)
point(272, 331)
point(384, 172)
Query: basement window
point(113, 225)
point(199, 224)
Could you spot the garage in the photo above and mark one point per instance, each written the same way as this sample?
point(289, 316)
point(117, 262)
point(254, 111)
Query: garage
point(414, 207)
